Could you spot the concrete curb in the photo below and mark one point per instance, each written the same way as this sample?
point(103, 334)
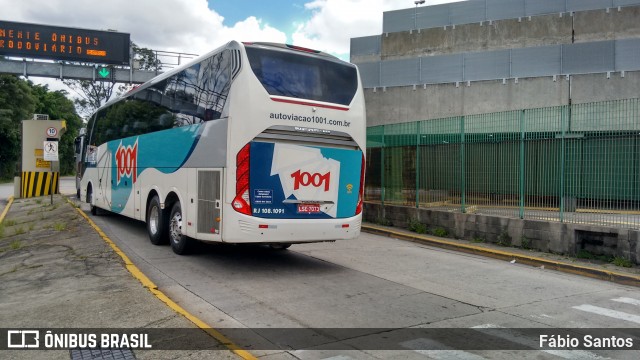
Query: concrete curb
point(592, 272)
point(6, 209)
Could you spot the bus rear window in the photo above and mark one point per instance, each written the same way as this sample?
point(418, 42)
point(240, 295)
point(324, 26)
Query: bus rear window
point(297, 75)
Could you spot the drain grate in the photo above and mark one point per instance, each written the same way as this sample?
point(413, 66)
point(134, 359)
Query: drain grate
point(106, 354)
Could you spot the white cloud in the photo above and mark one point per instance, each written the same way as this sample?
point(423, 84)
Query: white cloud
point(335, 22)
point(189, 26)
point(173, 25)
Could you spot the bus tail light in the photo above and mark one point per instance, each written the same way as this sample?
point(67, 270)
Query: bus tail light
point(241, 203)
point(361, 192)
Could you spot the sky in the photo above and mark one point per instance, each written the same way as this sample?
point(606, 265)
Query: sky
point(199, 26)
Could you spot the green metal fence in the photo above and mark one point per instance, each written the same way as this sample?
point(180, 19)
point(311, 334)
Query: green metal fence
point(578, 163)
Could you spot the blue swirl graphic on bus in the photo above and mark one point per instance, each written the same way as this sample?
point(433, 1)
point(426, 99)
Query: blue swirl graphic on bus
point(165, 151)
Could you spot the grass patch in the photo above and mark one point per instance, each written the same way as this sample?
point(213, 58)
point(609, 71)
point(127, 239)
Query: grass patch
point(618, 261)
point(478, 240)
point(15, 245)
point(585, 254)
point(525, 242)
point(588, 255)
point(59, 226)
point(10, 222)
point(20, 230)
point(1, 230)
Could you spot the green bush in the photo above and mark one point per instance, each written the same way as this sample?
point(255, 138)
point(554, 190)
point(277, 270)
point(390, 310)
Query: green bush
point(440, 232)
point(416, 226)
point(585, 254)
point(618, 261)
point(504, 239)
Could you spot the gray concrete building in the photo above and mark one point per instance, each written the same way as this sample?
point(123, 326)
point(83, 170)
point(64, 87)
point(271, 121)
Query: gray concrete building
point(509, 121)
point(569, 52)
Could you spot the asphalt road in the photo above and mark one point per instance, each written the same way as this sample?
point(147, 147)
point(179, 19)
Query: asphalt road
point(377, 282)
point(374, 282)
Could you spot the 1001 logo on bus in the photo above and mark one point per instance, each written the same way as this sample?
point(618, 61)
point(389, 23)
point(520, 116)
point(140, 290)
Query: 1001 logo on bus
point(315, 180)
point(127, 161)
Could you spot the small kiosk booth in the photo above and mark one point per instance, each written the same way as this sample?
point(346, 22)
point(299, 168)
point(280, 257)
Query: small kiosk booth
point(40, 165)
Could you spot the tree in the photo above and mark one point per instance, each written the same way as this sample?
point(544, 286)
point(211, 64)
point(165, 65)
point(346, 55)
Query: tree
point(94, 94)
point(59, 107)
point(146, 58)
point(17, 103)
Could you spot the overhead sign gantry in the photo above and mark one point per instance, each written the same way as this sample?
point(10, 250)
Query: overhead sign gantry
point(69, 44)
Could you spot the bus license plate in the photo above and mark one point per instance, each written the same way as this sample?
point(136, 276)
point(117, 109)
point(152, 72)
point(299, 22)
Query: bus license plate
point(308, 208)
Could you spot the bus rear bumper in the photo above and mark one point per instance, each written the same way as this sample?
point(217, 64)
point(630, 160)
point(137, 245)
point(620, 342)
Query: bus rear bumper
point(292, 231)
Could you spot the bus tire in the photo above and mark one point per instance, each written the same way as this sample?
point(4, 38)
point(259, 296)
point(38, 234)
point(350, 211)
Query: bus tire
point(94, 209)
point(279, 247)
point(180, 243)
point(157, 223)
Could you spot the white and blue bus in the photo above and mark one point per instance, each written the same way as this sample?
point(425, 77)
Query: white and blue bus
point(251, 143)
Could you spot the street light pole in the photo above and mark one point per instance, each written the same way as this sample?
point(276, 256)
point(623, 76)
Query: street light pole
point(415, 13)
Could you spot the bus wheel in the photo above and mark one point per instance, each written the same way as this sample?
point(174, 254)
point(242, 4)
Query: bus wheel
point(156, 223)
point(279, 246)
point(94, 209)
point(180, 243)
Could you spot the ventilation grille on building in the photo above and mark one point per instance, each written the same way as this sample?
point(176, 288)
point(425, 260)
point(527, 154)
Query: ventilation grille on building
point(40, 117)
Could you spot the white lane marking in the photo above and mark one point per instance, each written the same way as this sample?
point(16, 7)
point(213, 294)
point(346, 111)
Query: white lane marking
point(627, 300)
point(418, 345)
point(608, 312)
point(512, 336)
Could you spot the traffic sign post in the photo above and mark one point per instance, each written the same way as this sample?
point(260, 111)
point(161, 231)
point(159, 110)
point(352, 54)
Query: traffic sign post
point(50, 150)
point(51, 154)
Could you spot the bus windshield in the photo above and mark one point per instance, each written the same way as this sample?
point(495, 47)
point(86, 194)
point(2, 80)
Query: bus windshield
point(303, 76)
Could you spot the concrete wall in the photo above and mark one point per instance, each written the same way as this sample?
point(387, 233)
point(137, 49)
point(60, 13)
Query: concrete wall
point(583, 26)
point(597, 87)
point(504, 34)
point(403, 104)
point(555, 237)
point(598, 25)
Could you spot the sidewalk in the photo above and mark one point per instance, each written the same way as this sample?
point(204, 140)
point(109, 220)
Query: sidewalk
point(548, 261)
point(57, 272)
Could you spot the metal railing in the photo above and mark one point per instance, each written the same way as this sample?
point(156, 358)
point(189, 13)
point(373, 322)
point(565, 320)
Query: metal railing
point(575, 164)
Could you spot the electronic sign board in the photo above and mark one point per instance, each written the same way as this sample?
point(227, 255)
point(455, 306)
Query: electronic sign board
point(61, 43)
